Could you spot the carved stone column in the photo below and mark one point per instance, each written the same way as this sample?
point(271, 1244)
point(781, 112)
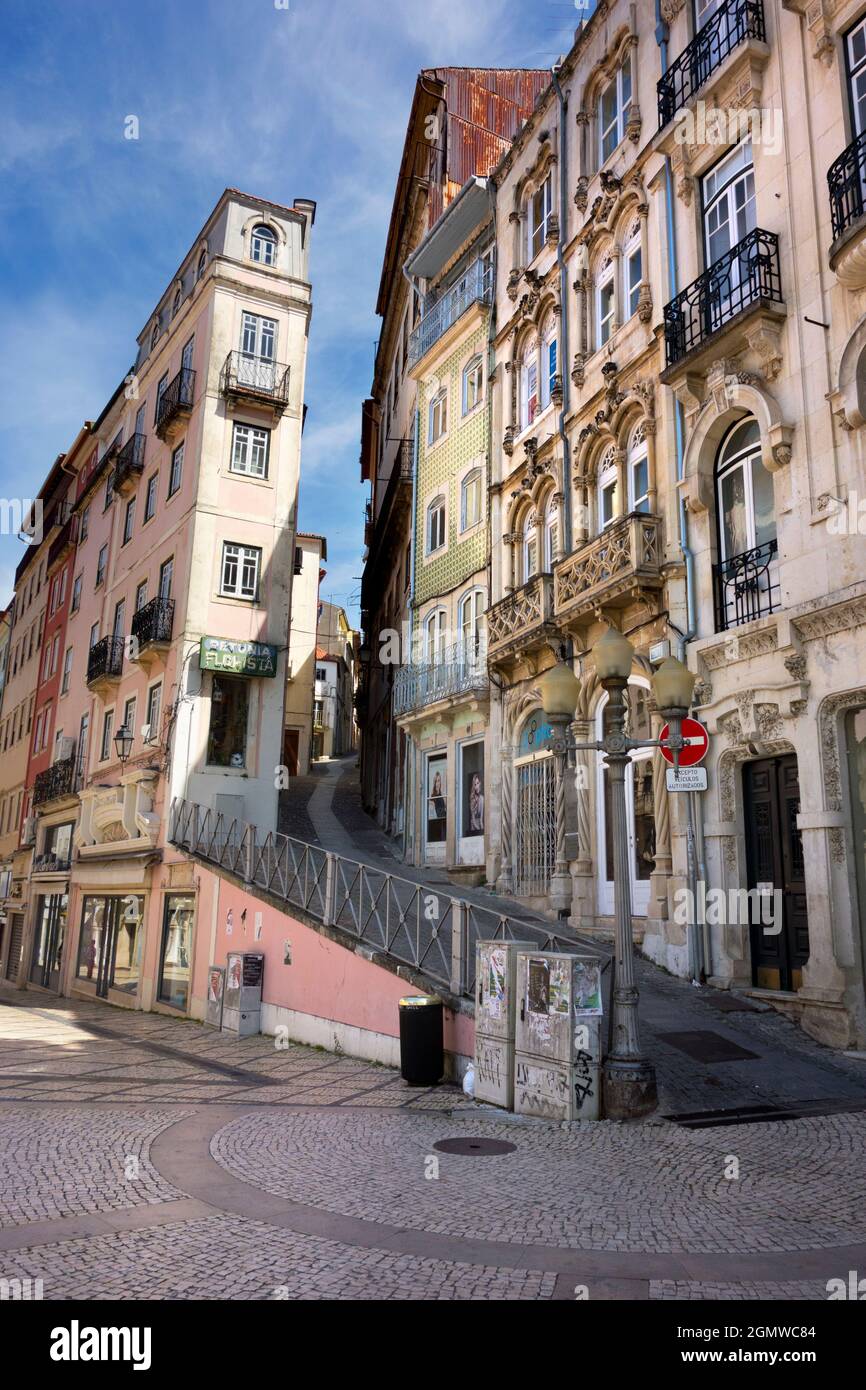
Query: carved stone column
point(505, 881)
point(663, 867)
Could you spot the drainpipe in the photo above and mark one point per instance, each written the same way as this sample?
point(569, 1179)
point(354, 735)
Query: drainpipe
point(699, 952)
point(563, 300)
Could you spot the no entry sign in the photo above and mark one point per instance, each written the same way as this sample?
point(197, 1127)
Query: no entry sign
point(694, 752)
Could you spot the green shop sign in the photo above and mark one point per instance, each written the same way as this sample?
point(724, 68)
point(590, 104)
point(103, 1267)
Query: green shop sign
point(238, 658)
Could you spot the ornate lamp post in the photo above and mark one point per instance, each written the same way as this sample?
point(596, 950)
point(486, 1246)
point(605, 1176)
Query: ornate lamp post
point(123, 743)
point(629, 1077)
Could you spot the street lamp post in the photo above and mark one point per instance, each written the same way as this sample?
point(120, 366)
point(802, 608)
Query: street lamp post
point(629, 1076)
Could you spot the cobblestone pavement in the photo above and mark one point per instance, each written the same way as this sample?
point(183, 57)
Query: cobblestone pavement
point(147, 1157)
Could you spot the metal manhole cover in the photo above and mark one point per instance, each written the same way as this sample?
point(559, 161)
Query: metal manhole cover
point(474, 1148)
point(702, 1045)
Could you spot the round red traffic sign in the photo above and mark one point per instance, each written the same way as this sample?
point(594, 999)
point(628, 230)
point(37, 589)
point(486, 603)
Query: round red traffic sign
point(694, 752)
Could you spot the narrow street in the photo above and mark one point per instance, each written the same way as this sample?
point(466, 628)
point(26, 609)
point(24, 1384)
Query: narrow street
point(164, 1160)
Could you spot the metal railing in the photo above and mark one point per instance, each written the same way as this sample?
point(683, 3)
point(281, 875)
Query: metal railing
point(474, 286)
point(846, 179)
point(244, 374)
point(176, 399)
point(747, 586)
point(154, 621)
point(57, 780)
point(65, 539)
point(748, 274)
point(129, 460)
point(105, 659)
point(417, 925)
point(459, 670)
point(714, 42)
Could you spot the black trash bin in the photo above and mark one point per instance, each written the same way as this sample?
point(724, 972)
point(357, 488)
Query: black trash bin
point(422, 1052)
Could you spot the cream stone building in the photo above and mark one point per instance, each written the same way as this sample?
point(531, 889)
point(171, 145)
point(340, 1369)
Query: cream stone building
point(678, 407)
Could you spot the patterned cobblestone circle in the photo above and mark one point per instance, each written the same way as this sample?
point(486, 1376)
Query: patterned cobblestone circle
point(76, 1162)
point(603, 1186)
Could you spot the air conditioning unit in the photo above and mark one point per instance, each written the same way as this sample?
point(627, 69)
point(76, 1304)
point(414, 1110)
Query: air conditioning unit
point(28, 831)
point(65, 749)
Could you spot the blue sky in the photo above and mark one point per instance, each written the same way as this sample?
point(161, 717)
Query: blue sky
point(309, 100)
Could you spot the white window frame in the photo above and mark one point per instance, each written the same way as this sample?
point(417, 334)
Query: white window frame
point(471, 612)
point(243, 559)
point(258, 243)
point(539, 207)
point(439, 504)
point(153, 709)
point(250, 443)
point(473, 381)
point(67, 671)
point(435, 632)
point(633, 254)
point(107, 731)
point(605, 323)
point(437, 417)
point(175, 469)
point(473, 476)
point(608, 476)
point(620, 85)
point(638, 453)
point(529, 555)
point(529, 364)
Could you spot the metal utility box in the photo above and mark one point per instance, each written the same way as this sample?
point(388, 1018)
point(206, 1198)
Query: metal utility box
point(495, 1008)
point(242, 999)
point(216, 988)
point(558, 1035)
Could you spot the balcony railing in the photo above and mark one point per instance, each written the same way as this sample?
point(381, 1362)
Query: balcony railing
point(57, 780)
point(846, 178)
point(747, 586)
point(65, 539)
point(460, 670)
point(745, 276)
point(609, 570)
point(105, 661)
point(520, 618)
point(245, 376)
point(473, 287)
point(153, 622)
point(176, 400)
point(729, 26)
point(129, 462)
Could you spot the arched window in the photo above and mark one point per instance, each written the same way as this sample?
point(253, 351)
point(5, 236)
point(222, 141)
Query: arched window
point(472, 608)
point(747, 571)
point(633, 261)
point(202, 264)
point(437, 415)
point(638, 472)
point(436, 524)
point(538, 211)
point(529, 547)
point(434, 637)
point(473, 383)
point(613, 106)
point(471, 509)
point(528, 386)
point(548, 360)
point(263, 245)
point(551, 533)
point(608, 490)
point(606, 302)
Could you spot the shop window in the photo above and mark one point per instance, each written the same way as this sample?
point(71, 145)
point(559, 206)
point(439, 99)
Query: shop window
point(227, 736)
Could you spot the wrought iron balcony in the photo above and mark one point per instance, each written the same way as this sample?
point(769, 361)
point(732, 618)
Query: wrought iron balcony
point(612, 570)
point(152, 626)
point(520, 621)
point(747, 586)
point(715, 41)
point(476, 286)
point(248, 378)
point(459, 673)
point(176, 402)
point(746, 277)
point(846, 179)
point(57, 780)
point(128, 464)
point(105, 661)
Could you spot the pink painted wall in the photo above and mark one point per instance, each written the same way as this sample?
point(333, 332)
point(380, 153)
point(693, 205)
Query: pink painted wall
point(324, 978)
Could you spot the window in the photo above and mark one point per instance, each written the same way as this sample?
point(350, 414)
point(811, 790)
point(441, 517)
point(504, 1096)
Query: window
point(150, 497)
point(608, 490)
point(528, 387)
point(140, 595)
point(470, 500)
point(633, 274)
point(318, 711)
point(240, 570)
point(55, 652)
point(227, 736)
point(154, 703)
point(176, 470)
point(119, 618)
point(186, 355)
point(321, 673)
point(529, 548)
point(263, 245)
point(434, 638)
point(94, 635)
point(606, 303)
point(129, 716)
point(436, 524)
point(551, 533)
point(100, 565)
point(67, 671)
point(37, 737)
point(107, 726)
point(250, 447)
point(176, 950)
point(175, 307)
point(729, 210)
point(744, 489)
point(108, 495)
point(154, 335)
point(612, 111)
point(538, 218)
point(166, 574)
point(438, 415)
point(258, 350)
point(473, 384)
point(160, 392)
point(472, 623)
point(638, 472)
point(548, 362)
point(202, 266)
point(128, 521)
point(85, 523)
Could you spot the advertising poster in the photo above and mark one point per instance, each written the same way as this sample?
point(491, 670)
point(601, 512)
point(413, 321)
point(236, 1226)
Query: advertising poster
point(538, 987)
point(587, 989)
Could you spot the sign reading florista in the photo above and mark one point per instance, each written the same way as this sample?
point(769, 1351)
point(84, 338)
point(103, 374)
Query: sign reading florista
point(238, 658)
